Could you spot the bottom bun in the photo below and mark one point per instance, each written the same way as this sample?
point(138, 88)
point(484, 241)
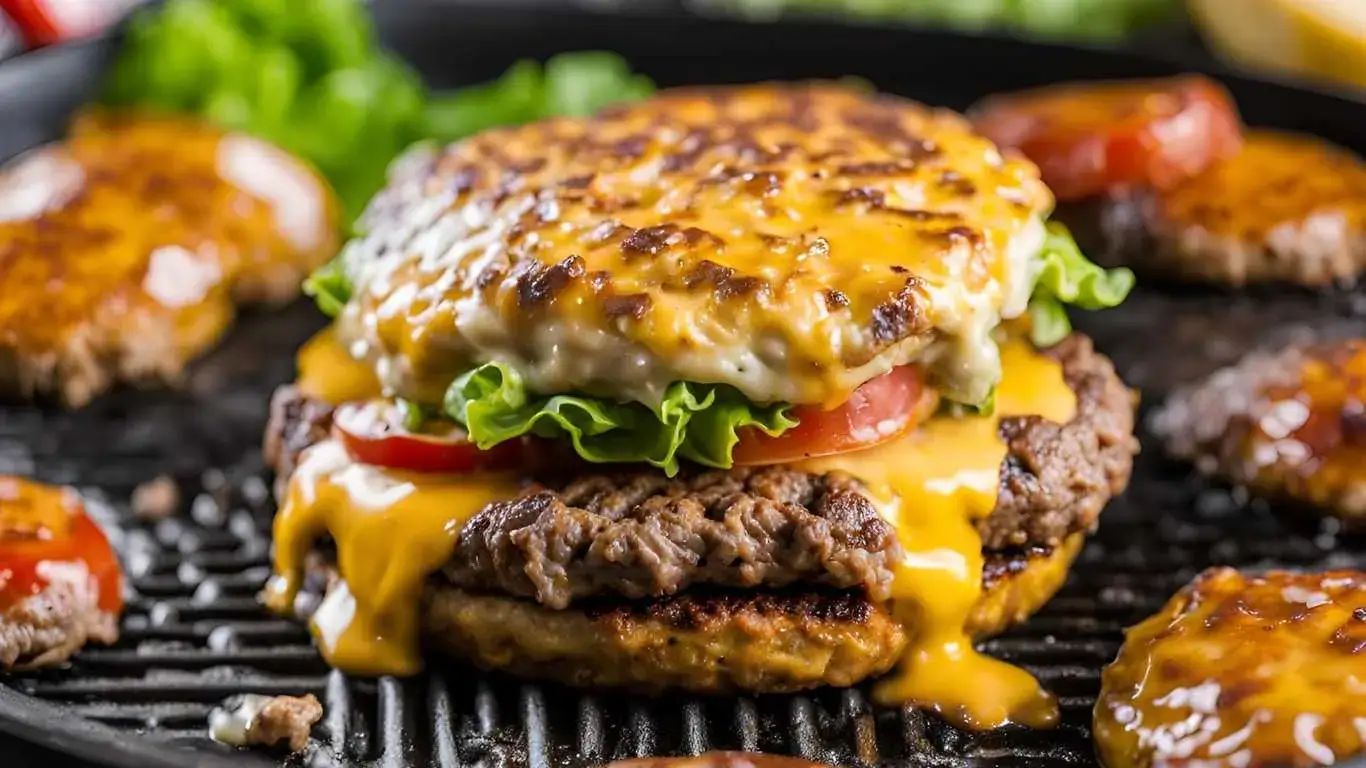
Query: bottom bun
point(760, 641)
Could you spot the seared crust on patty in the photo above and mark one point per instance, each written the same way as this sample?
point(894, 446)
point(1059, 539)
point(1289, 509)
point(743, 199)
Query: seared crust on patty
point(1054, 482)
point(1057, 477)
point(1287, 423)
point(759, 641)
point(640, 534)
point(60, 581)
point(297, 421)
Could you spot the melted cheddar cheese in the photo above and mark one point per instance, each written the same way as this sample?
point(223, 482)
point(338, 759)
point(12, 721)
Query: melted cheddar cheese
point(330, 373)
point(701, 236)
point(394, 529)
point(933, 484)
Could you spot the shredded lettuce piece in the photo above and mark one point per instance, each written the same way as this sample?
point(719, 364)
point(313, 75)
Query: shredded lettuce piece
point(698, 422)
point(1068, 277)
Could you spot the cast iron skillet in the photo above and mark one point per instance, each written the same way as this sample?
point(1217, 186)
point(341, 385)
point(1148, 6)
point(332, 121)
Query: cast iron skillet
point(1167, 526)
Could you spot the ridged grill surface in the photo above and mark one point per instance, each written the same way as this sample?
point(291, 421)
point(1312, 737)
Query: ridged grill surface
point(194, 634)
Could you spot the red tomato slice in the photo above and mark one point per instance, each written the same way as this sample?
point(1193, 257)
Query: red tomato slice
point(373, 433)
point(44, 22)
point(878, 411)
point(44, 532)
point(1093, 138)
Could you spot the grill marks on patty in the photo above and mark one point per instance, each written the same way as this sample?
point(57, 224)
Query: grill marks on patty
point(635, 533)
point(639, 534)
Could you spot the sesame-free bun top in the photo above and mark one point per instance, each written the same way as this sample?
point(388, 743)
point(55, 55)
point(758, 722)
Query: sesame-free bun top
point(791, 240)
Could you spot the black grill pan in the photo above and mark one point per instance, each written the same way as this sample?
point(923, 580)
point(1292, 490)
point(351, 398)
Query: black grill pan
point(193, 633)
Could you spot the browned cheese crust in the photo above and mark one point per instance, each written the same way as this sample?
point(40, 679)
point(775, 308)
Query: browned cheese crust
point(1287, 209)
point(1241, 670)
point(778, 238)
point(567, 540)
point(719, 760)
point(1290, 424)
point(705, 642)
point(125, 249)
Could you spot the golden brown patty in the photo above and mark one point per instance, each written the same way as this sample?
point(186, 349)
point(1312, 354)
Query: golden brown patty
point(1287, 209)
point(790, 240)
point(719, 760)
point(125, 249)
point(1289, 424)
point(757, 641)
point(1237, 670)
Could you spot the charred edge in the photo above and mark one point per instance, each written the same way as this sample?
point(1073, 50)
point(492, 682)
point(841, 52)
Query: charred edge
point(633, 305)
point(540, 284)
point(901, 316)
point(725, 285)
point(701, 610)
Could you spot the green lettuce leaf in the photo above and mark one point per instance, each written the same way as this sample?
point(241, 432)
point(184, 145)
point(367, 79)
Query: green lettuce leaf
point(1068, 277)
point(329, 287)
point(698, 422)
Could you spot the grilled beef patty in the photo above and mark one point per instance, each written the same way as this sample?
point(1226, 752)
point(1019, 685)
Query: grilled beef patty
point(639, 534)
point(635, 533)
point(715, 641)
point(47, 628)
point(1286, 423)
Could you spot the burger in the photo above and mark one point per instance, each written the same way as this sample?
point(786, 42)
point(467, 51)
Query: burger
point(755, 388)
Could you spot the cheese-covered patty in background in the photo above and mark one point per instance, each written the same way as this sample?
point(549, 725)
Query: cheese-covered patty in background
point(790, 241)
point(1241, 670)
point(125, 249)
point(1287, 208)
point(1287, 423)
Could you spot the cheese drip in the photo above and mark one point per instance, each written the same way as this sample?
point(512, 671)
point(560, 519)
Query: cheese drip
point(932, 485)
point(392, 530)
point(328, 372)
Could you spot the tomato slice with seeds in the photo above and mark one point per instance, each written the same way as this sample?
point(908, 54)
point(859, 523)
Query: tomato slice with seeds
point(881, 409)
point(1092, 138)
point(373, 432)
